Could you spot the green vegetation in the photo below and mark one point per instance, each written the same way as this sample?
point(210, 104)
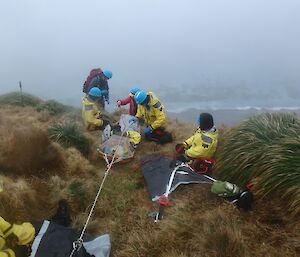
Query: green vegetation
point(68, 134)
point(53, 107)
point(77, 191)
point(16, 99)
point(266, 151)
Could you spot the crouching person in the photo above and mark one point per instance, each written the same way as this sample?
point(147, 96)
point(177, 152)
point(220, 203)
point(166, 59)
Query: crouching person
point(92, 110)
point(199, 149)
point(49, 238)
point(152, 112)
point(15, 238)
point(130, 100)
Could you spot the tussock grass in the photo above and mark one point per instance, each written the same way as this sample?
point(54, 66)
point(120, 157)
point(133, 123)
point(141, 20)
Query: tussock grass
point(28, 151)
point(68, 134)
point(53, 107)
point(15, 99)
point(265, 150)
point(16, 198)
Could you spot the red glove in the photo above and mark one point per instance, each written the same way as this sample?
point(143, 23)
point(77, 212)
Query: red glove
point(179, 148)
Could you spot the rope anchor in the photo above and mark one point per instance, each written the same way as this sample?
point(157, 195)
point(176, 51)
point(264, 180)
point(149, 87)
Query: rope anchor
point(77, 244)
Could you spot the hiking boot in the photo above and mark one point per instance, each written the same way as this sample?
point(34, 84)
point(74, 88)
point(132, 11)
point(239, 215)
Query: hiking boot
point(62, 215)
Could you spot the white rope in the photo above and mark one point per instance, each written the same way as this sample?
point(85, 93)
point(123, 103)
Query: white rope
point(78, 243)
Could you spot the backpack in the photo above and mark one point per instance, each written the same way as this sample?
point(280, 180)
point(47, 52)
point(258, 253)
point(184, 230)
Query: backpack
point(93, 74)
point(242, 198)
point(225, 189)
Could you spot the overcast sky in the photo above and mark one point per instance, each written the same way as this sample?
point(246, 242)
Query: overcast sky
point(190, 52)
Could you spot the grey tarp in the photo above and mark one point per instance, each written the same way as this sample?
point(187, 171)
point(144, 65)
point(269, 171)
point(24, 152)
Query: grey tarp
point(54, 240)
point(157, 173)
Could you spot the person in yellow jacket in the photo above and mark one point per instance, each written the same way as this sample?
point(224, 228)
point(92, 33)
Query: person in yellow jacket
point(202, 144)
point(152, 112)
point(91, 111)
point(12, 235)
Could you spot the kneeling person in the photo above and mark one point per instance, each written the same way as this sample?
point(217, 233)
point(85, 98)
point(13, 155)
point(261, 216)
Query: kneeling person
point(91, 111)
point(152, 112)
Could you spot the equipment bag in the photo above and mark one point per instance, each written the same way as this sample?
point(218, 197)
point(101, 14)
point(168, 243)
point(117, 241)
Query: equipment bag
point(242, 198)
point(93, 74)
point(225, 189)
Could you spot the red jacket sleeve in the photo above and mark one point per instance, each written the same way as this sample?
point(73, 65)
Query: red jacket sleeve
point(125, 100)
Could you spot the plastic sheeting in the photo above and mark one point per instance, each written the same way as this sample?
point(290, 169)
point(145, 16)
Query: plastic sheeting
point(112, 143)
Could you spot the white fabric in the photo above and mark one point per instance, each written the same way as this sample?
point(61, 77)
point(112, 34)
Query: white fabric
point(99, 247)
point(38, 238)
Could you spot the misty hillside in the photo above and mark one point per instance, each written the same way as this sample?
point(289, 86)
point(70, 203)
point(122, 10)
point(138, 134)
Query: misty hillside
point(46, 155)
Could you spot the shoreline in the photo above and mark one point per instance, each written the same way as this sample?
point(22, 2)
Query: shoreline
point(229, 116)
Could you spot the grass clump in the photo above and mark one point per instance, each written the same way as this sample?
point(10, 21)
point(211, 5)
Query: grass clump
point(16, 99)
point(265, 150)
point(53, 107)
point(77, 191)
point(68, 134)
point(28, 151)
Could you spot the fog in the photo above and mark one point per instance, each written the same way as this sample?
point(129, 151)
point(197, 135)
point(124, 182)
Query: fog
point(191, 53)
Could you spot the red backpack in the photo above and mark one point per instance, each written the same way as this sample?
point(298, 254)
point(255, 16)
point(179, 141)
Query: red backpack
point(93, 74)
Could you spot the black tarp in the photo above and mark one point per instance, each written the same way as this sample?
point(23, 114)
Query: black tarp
point(157, 173)
point(54, 240)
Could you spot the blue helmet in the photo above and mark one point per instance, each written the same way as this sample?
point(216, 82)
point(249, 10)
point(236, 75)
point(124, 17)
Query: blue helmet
point(140, 97)
point(95, 91)
point(107, 73)
point(134, 89)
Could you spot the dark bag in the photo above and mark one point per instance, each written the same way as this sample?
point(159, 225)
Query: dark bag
point(160, 136)
point(93, 74)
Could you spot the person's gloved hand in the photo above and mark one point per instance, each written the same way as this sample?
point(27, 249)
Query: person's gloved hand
point(147, 131)
point(11, 240)
point(119, 103)
point(179, 148)
point(132, 120)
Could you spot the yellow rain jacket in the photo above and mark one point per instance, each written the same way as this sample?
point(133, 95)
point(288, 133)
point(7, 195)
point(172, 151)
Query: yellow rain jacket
point(91, 114)
point(24, 234)
point(153, 113)
point(202, 144)
point(134, 137)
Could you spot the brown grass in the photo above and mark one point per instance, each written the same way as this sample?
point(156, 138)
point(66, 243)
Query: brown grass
point(196, 223)
point(28, 150)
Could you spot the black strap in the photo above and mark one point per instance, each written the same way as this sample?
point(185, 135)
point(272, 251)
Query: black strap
point(6, 230)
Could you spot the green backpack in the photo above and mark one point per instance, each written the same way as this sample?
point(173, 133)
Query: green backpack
point(225, 189)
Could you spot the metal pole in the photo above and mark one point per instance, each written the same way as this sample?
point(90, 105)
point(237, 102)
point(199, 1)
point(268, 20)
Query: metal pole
point(21, 93)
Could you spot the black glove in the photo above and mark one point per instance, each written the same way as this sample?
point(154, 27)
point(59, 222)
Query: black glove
point(11, 241)
point(105, 123)
point(141, 122)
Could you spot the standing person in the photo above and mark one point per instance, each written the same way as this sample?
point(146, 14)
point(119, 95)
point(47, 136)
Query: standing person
point(130, 100)
point(91, 111)
point(152, 112)
point(99, 78)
